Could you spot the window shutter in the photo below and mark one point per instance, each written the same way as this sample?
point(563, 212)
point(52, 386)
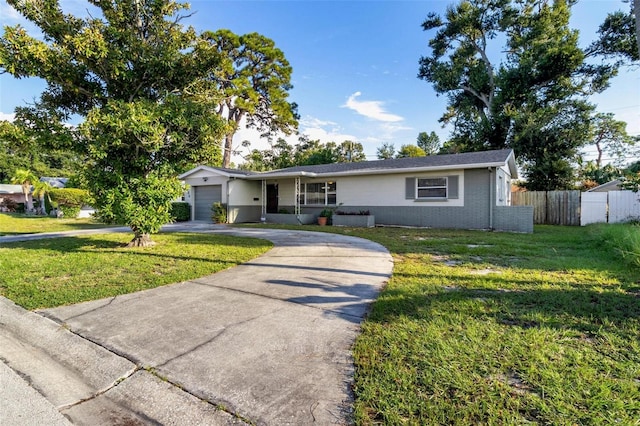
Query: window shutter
point(452, 187)
point(410, 188)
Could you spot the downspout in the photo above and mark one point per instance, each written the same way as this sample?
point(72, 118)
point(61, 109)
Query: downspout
point(227, 203)
point(263, 196)
point(491, 198)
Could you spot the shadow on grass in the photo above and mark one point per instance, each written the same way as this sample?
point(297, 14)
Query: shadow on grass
point(92, 244)
point(583, 308)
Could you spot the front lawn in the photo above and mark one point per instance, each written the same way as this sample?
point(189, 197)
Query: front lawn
point(488, 328)
point(15, 223)
point(497, 328)
point(61, 271)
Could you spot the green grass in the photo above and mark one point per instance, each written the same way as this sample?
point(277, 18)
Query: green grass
point(61, 271)
point(624, 240)
point(15, 224)
point(496, 328)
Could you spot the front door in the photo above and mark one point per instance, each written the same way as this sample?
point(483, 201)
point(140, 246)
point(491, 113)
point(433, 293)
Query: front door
point(272, 198)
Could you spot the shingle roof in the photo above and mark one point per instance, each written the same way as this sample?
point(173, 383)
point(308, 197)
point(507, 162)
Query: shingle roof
point(10, 189)
point(235, 171)
point(467, 159)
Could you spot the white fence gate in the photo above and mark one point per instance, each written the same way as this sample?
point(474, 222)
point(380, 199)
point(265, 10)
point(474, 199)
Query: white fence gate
point(611, 207)
point(593, 208)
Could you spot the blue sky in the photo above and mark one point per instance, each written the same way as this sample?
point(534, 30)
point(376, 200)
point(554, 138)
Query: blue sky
point(355, 64)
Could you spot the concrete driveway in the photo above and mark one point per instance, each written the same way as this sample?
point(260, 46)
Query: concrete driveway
point(267, 342)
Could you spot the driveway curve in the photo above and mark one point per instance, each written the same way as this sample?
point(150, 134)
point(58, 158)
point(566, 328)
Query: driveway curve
point(267, 342)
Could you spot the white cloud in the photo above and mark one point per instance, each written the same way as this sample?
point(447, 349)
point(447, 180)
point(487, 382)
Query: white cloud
point(9, 15)
point(7, 117)
point(314, 128)
point(324, 131)
point(371, 109)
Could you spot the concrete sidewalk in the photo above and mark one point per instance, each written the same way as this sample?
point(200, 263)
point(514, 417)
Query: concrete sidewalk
point(267, 342)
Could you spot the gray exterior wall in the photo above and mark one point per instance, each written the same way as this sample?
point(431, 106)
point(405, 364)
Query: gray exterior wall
point(513, 218)
point(473, 215)
point(242, 214)
point(478, 212)
point(480, 196)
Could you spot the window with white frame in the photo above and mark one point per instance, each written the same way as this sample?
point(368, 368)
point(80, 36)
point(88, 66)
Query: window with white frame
point(318, 193)
point(431, 187)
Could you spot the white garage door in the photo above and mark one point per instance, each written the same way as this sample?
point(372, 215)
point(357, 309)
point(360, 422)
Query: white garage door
point(205, 197)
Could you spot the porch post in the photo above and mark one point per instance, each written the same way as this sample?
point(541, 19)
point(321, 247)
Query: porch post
point(297, 194)
point(263, 198)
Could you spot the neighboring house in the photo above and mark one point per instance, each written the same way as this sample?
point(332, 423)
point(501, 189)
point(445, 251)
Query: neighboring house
point(11, 192)
point(469, 191)
point(56, 182)
point(613, 185)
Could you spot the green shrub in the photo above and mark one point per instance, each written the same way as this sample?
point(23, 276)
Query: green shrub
point(70, 197)
point(219, 213)
point(69, 211)
point(624, 238)
point(180, 211)
point(20, 208)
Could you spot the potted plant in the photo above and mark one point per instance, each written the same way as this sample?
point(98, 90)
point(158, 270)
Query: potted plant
point(324, 216)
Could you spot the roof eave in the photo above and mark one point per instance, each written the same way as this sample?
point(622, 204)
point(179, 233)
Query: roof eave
point(272, 175)
point(210, 170)
point(381, 171)
point(513, 168)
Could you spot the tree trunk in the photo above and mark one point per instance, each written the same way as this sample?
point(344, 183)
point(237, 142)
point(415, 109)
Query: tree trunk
point(599, 159)
point(226, 150)
point(141, 240)
point(28, 201)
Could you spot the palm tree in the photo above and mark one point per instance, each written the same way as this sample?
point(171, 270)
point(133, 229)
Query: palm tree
point(40, 189)
point(25, 178)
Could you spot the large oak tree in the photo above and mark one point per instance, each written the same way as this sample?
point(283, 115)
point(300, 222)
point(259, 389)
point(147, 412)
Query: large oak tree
point(515, 77)
point(134, 74)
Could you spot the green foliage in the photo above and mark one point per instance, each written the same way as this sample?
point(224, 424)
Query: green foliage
point(142, 203)
point(610, 137)
point(386, 151)
point(69, 200)
point(25, 178)
point(600, 175)
point(70, 197)
point(631, 182)
point(533, 99)
point(618, 37)
point(429, 142)
point(253, 80)
point(137, 76)
point(69, 211)
point(31, 142)
point(307, 152)
point(624, 239)
point(219, 213)
point(410, 151)
point(180, 211)
point(326, 213)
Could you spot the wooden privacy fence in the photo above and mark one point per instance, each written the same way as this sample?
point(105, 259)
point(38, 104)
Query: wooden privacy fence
point(550, 207)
